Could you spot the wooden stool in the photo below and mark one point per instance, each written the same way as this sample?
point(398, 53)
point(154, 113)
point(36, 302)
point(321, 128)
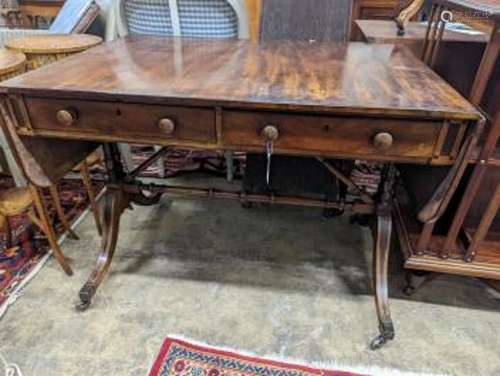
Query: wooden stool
point(30, 201)
point(43, 49)
point(12, 63)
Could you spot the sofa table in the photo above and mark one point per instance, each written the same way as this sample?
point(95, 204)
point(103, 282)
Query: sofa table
point(311, 100)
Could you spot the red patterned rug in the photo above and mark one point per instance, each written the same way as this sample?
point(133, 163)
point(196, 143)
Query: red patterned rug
point(29, 244)
point(180, 358)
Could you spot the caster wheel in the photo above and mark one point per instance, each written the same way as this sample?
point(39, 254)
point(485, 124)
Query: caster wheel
point(82, 306)
point(378, 342)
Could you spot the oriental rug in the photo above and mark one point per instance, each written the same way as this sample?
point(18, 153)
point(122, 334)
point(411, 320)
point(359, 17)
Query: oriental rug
point(30, 248)
point(181, 358)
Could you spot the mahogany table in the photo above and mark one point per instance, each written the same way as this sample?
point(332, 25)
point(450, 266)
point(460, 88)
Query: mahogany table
point(282, 97)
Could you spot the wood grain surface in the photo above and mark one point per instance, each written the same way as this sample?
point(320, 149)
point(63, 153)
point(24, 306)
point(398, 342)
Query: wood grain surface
point(10, 61)
point(280, 75)
point(53, 43)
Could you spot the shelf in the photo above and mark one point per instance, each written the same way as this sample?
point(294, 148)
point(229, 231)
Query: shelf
point(485, 265)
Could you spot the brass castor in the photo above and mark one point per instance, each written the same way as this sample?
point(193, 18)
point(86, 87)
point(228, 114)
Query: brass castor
point(387, 334)
point(85, 297)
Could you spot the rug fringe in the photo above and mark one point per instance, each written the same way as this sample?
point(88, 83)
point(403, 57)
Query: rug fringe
point(366, 370)
point(17, 292)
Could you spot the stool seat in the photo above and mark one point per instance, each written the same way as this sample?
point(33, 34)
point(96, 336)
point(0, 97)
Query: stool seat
point(11, 61)
point(14, 201)
point(53, 43)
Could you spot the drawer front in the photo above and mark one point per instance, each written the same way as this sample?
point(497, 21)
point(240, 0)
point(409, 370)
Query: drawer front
point(123, 120)
point(336, 136)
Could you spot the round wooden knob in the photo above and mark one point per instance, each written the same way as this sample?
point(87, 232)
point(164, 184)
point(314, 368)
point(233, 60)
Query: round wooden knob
point(166, 126)
point(383, 140)
point(270, 133)
point(66, 117)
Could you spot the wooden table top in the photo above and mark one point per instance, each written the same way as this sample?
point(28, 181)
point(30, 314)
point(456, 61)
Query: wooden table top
point(354, 78)
point(10, 61)
point(382, 31)
point(53, 43)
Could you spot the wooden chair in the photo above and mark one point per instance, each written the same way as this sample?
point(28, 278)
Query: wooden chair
point(186, 18)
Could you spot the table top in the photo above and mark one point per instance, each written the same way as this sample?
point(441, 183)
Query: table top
point(354, 78)
point(11, 61)
point(53, 43)
point(384, 31)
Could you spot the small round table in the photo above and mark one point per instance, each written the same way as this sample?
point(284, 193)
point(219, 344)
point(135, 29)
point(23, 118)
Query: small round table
point(12, 63)
point(44, 49)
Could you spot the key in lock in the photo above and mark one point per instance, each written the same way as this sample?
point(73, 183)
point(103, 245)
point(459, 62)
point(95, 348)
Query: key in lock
point(270, 134)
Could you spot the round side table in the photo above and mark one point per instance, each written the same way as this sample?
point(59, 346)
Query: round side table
point(44, 49)
point(12, 63)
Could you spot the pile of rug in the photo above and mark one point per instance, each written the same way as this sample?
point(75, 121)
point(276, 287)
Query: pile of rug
point(29, 244)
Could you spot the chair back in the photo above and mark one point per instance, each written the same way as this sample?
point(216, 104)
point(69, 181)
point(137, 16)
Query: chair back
point(71, 15)
point(188, 18)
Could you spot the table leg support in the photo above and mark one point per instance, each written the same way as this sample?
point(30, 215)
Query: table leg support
point(382, 245)
point(380, 273)
point(115, 202)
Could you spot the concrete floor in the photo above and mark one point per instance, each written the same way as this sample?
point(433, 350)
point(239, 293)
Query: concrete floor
point(271, 281)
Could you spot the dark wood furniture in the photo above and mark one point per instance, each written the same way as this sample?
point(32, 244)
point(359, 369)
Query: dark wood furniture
point(459, 54)
point(279, 97)
point(468, 242)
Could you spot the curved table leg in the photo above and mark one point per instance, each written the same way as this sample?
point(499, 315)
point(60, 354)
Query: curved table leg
point(382, 246)
point(382, 233)
point(115, 202)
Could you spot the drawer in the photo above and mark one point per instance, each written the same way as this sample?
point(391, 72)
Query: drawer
point(335, 136)
point(122, 120)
